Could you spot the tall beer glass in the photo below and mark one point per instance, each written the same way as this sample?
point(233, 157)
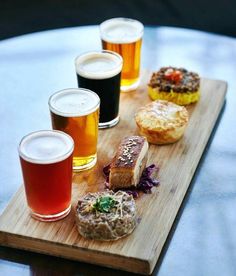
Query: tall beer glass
point(124, 36)
point(76, 112)
point(100, 71)
point(46, 161)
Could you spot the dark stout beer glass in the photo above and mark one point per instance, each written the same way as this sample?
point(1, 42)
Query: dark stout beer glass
point(100, 71)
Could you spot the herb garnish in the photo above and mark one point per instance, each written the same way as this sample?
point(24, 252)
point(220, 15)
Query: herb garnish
point(104, 204)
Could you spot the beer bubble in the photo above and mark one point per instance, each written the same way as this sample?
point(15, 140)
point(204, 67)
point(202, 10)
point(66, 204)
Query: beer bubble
point(121, 30)
point(74, 102)
point(46, 147)
point(98, 65)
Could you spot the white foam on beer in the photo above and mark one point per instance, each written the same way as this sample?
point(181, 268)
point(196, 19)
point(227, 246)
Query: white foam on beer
point(74, 102)
point(46, 147)
point(121, 30)
point(98, 65)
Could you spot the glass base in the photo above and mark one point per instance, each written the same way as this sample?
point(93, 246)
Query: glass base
point(84, 163)
point(131, 87)
point(110, 123)
point(53, 217)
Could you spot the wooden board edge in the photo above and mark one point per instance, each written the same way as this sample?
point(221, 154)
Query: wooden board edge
point(217, 80)
point(155, 254)
point(113, 261)
point(134, 265)
point(11, 201)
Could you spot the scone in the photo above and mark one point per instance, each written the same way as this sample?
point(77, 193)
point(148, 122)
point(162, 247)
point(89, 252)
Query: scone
point(176, 85)
point(128, 163)
point(106, 215)
point(162, 122)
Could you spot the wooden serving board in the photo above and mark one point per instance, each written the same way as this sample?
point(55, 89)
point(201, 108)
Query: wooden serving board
point(139, 251)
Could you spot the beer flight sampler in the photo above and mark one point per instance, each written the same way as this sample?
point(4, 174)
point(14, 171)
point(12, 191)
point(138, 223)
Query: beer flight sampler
point(119, 159)
point(47, 157)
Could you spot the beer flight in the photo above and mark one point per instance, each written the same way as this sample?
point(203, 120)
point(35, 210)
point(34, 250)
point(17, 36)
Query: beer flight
point(48, 157)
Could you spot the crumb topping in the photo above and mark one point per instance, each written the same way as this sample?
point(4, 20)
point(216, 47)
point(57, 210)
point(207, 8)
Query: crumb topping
point(162, 115)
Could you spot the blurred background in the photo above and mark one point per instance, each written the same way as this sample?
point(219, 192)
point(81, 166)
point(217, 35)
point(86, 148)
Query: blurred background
point(26, 16)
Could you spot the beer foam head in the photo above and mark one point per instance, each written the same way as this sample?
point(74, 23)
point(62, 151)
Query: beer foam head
point(121, 30)
point(46, 147)
point(98, 65)
point(74, 102)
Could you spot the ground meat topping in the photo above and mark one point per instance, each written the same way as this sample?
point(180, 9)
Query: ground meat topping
point(180, 80)
point(106, 215)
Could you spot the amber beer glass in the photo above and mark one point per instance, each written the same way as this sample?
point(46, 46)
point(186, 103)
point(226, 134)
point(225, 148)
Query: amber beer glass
point(124, 36)
point(76, 112)
point(46, 162)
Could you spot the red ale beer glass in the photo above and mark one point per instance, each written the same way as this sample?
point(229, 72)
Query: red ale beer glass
point(46, 162)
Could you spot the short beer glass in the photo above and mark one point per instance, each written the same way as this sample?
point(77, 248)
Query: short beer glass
point(124, 36)
point(76, 112)
point(46, 162)
point(100, 71)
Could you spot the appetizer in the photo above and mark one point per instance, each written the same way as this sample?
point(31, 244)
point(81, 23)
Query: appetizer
point(162, 122)
point(175, 84)
point(106, 215)
point(129, 162)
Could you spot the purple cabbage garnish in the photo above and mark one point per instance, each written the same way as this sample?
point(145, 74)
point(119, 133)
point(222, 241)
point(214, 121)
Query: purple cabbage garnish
point(146, 181)
point(145, 184)
point(132, 192)
point(106, 172)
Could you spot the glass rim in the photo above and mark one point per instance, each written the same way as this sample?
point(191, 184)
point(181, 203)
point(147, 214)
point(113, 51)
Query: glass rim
point(140, 29)
point(73, 114)
point(99, 75)
point(60, 158)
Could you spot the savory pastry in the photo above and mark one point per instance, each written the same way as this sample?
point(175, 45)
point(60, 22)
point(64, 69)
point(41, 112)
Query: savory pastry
point(162, 122)
point(129, 162)
point(106, 215)
point(175, 84)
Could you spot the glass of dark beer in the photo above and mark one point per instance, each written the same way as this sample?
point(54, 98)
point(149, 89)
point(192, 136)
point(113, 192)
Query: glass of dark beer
point(100, 71)
point(46, 162)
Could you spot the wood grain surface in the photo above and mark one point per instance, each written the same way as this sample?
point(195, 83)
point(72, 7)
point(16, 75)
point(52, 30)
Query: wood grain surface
point(139, 251)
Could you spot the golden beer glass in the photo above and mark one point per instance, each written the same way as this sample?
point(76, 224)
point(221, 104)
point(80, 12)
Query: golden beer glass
point(76, 112)
point(124, 36)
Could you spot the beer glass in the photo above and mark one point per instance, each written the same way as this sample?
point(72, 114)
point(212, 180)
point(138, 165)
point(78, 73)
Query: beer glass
point(46, 162)
point(124, 36)
point(100, 71)
point(76, 112)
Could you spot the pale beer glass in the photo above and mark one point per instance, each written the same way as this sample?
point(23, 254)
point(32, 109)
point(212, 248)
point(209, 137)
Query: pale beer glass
point(124, 36)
